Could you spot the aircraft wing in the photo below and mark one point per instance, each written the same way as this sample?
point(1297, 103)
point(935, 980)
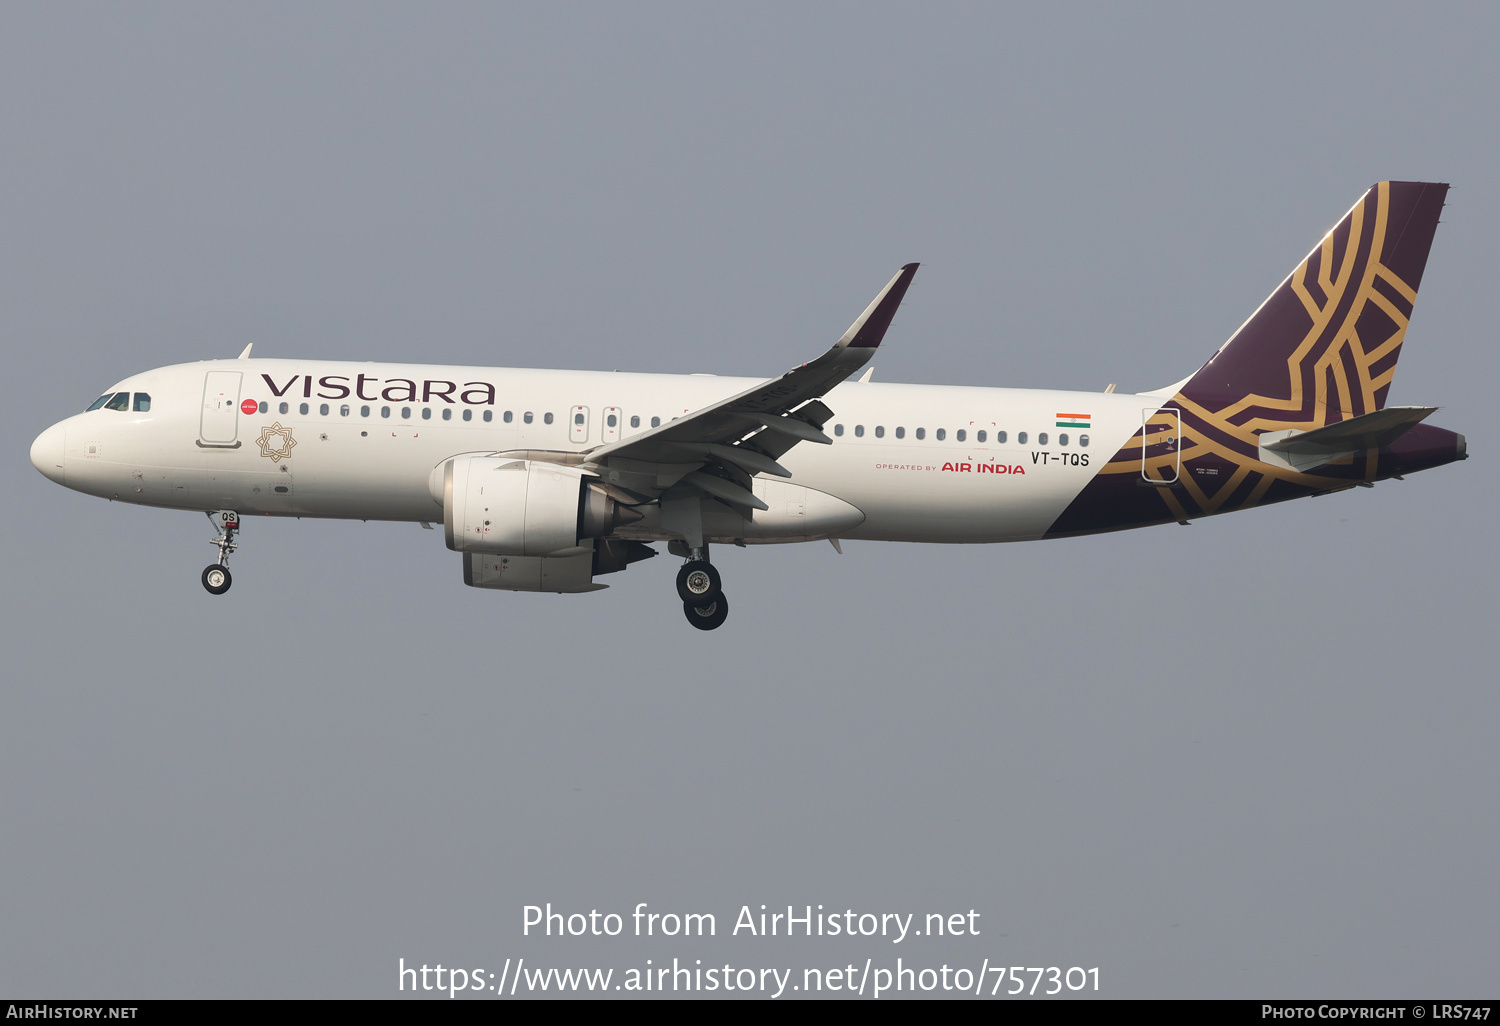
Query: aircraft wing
point(775, 415)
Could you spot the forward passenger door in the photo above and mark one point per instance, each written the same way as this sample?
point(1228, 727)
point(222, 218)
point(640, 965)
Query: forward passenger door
point(219, 426)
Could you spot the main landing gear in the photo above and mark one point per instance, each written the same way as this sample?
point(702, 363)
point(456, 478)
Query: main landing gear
point(707, 616)
point(698, 585)
point(216, 575)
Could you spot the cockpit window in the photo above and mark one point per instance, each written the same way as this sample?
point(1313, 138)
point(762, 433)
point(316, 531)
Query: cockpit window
point(121, 401)
point(100, 402)
point(142, 402)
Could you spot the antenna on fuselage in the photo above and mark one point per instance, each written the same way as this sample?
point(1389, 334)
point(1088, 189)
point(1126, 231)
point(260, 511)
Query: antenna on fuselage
point(245, 353)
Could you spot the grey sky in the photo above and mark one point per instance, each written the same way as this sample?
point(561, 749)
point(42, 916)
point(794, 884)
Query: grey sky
point(1251, 757)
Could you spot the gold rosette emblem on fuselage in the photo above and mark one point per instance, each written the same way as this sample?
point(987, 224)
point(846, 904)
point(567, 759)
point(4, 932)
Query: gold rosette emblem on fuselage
point(276, 442)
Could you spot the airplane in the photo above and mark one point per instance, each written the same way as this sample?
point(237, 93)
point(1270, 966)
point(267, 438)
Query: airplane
point(545, 480)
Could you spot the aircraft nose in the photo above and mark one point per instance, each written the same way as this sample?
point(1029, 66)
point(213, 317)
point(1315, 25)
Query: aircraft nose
point(47, 452)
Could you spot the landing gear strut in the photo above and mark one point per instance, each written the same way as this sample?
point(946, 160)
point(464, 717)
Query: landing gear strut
point(216, 575)
point(701, 591)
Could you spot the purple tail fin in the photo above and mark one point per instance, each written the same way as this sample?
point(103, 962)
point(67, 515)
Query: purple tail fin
point(1321, 350)
point(1323, 347)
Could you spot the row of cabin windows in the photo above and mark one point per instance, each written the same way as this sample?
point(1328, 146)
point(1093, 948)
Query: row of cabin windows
point(345, 410)
point(961, 435)
point(142, 404)
point(385, 411)
point(121, 401)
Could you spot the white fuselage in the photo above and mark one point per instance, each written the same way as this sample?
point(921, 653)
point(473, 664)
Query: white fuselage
point(925, 463)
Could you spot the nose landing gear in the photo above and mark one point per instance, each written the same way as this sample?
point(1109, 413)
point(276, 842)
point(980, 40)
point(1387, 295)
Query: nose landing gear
point(701, 591)
point(216, 578)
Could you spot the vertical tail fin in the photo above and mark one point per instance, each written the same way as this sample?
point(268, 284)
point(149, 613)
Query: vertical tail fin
point(1323, 347)
point(1320, 351)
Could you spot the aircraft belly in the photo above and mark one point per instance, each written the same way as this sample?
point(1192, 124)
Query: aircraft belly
point(945, 496)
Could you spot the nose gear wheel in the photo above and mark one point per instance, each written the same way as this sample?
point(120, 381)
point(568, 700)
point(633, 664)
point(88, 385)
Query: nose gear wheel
point(216, 578)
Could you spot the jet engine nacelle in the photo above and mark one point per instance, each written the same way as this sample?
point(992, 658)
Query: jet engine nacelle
point(492, 504)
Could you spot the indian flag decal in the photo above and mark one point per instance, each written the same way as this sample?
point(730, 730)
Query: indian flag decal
point(1073, 420)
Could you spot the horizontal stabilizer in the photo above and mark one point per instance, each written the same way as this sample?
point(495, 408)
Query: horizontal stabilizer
point(1372, 431)
point(1303, 450)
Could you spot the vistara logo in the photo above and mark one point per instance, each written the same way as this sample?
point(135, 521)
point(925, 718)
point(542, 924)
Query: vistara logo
point(276, 442)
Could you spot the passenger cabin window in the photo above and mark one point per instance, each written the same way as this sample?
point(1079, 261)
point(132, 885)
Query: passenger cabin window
point(1020, 438)
point(879, 431)
point(385, 411)
point(323, 409)
point(426, 413)
point(656, 422)
point(921, 433)
point(264, 407)
point(1000, 438)
point(635, 421)
point(960, 434)
point(942, 433)
point(364, 411)
point(859, 431)
point(143, 403)
point(121, 401)
point(838, 430)
point(97, 403)
point(546, 418)
point(1041, 439)
point(286, 408)
point(980, 436)
point(611, 420)
point(1062, 439)
point(1083, 440)
point(526, 416)
point(489, 415)
point(344, 411)
point(901, 432)
point(468, 415)
point(508, 417)
point(447, 414)
point(406, 413)
point(302, 409)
